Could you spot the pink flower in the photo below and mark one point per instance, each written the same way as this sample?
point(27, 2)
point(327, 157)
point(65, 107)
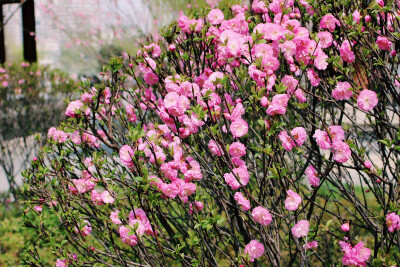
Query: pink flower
point(197, 208)
point(299, 134)
point(114, 217)
point(367, 100)
point(312, 176)
point(86, 229)
point(290, 82)
point(106, 197)
point(239, 127)
point(322, 139)
point(216, 16)
point(346, 53)
point(73, 108)
point(237, 149)
point(301, 229)
point(383, 43)
point(96, 198)
point(254, 249)
point(242, 201)
point(240, 172)
point(325, 39)
point(38, 208)
point(336, 133)
point(368, 164)
point(261, 215)
point(150, 78)
point(356, 16)
point(130, 240)
point(270, 31)
point(367, 18)
point(341, 91)
point(345, 227)
point(310, 245)
point(292, 201)
point(341, 152)
point(392, 222)
point(287, 142)
point(125, 154)
point(215, 148)
point(313, 77)
point(278, 105)
point(61, 263)
point(320, 61)
point(329, 22)
point(356, 256)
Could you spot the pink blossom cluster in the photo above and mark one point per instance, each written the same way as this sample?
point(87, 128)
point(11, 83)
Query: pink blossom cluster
point(101, 198)
point(139, 224)
point(333, 139)
point(354, 256)
point(85, 228)
point(82, 185)
point(297, 138)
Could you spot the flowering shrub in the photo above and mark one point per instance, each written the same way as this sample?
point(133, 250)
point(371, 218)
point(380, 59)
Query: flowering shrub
point(265, 134)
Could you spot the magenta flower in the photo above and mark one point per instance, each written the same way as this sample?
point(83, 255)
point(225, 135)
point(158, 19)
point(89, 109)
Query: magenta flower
point(341, 152)
point(356, 256)
point(301, 229)
point(368, 164)
point(392, 222)
point(254, 249)
point(312, 176)
point(341, 91)
point(292, 201)
point(261, 215)
point(345, 227)
point(367, 100)
point(243, 202)
point(383, 43)
point(329, 22)
point(150, 78)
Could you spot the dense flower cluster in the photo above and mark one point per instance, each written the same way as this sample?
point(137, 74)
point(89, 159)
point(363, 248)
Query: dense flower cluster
point(239, 126)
